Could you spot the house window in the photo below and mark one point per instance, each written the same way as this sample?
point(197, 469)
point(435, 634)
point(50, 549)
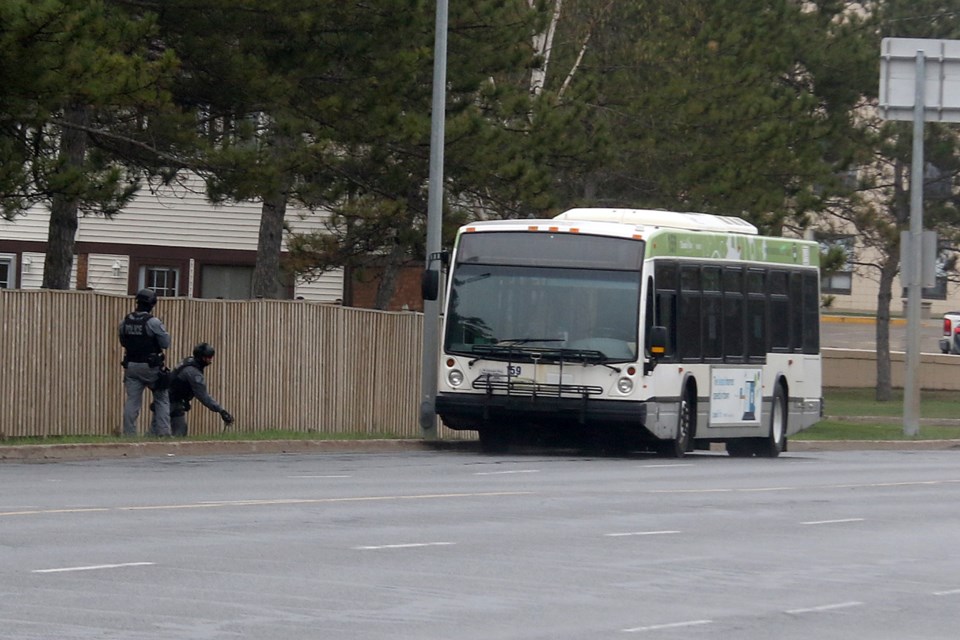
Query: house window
point(939, 290)
point(164, 280)
point(841, 280)
point(7, 271)
point(226, 281)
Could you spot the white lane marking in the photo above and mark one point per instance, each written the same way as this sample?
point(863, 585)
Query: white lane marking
point(690, 491)
point(639, 533)
point(34, 512)
point(839, 521)
point(951, 592)
point(873, 485)
point(319, 476)
point(503, 473)
point(94, 567)
point(267, 502)
point(672, 625)
point(664, 466)
point(409, 545)
point(825, 607)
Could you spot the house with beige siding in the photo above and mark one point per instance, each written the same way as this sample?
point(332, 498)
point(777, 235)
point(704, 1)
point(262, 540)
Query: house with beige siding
point(172, 240)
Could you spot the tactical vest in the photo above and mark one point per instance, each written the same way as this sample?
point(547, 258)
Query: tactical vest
point(134, 337)
point(180, 388)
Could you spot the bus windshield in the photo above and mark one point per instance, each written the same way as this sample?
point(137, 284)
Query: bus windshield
point(510, 312)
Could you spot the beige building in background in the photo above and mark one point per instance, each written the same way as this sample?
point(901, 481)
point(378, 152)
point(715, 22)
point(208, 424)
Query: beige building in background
point(173, 240)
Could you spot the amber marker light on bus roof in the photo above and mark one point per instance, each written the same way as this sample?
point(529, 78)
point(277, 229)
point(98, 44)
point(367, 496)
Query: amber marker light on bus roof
point(533, 228)
point(554, 229)
point(470, 229)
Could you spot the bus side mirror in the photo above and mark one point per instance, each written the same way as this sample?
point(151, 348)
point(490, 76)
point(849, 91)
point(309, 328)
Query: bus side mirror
point(430, 280)
point(430, 284)
point(657, 346)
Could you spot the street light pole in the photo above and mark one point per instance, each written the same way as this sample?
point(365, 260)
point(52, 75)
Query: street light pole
point(911, 399)
point(431, 308)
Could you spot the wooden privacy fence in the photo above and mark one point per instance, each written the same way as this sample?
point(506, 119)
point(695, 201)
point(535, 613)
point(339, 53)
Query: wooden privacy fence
point(280, 364)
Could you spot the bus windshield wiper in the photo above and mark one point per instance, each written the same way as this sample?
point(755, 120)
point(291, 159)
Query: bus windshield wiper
point(508, 348)
point(515, 341)
point(547, 354)
point(586, 356)
point(480, 276)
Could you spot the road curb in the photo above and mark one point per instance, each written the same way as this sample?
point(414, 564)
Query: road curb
point(55, 452)
point(872, 445)
point(897, 322)
point(93, 451)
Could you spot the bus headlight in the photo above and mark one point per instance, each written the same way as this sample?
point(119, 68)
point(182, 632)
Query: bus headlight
point(455, 378)
point(625, 385)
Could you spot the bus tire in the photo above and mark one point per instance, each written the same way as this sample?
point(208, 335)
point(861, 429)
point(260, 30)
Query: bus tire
point(494, 440)
point(776, 440)
point(677, 447)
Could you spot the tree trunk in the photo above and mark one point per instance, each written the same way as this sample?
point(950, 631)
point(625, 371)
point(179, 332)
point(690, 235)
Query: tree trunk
point(266, 274)
point(62, 233)
point(543, 47)
point(884, 296)
point(900, 208)
point(388, 278)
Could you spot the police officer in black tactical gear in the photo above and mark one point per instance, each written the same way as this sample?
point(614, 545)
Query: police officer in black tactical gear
point(144, 338)
point(188, 383)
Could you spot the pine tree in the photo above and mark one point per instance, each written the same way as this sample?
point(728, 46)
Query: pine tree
point(80, 80)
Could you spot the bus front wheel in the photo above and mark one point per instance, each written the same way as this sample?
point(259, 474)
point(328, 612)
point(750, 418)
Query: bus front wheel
point(677, 447)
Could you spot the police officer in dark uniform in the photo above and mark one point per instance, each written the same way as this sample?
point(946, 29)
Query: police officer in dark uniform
point(188, 383)
point(144, 338)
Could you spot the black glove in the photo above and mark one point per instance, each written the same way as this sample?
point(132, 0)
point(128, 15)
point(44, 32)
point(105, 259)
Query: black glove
point(227, 418)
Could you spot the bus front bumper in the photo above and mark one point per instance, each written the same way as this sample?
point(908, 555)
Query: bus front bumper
point(463, 411)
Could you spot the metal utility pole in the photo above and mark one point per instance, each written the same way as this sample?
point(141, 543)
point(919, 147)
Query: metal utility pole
point(911, 391)
point(431, 308)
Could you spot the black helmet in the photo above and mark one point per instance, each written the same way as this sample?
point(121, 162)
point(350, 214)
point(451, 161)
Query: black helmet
point(203, 350)
point(146, 299)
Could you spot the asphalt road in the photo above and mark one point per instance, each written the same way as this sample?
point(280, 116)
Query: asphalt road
point(441, 545)
point(845, 332)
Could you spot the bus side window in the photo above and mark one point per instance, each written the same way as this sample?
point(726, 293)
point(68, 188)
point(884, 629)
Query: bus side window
point(689, 340)
point(712, 314)
point(734, 325)
point(779, 311)
point(648, 315)
point(666, 281)
point(757, 313)
point(811, 313)
point(797, 317)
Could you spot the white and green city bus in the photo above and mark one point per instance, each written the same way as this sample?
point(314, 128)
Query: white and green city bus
point(644, 328)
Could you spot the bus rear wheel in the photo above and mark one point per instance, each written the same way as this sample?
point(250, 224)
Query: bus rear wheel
point(776, 441)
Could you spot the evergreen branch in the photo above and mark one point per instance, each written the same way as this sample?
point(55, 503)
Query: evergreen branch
point(181, 162)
